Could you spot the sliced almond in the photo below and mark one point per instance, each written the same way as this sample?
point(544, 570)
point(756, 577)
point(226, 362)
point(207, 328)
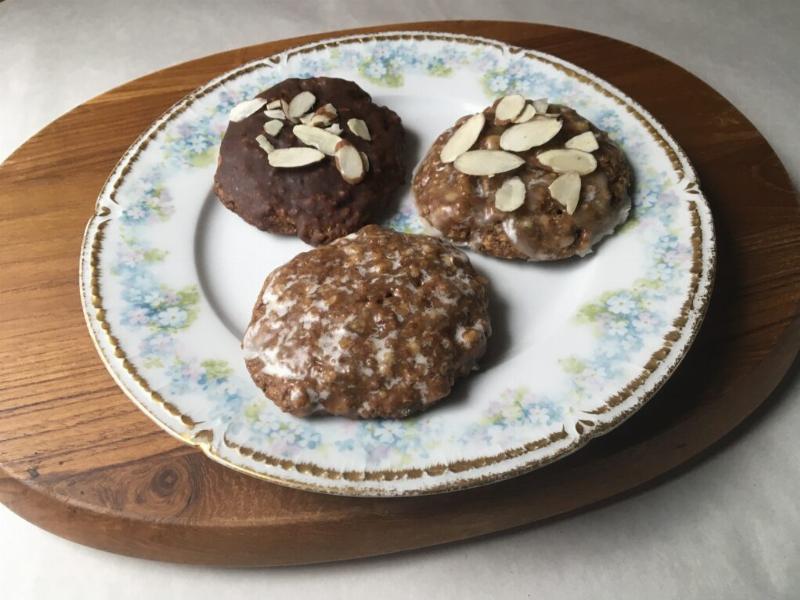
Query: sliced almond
point(322, 140)
point(275, 113)
point(508, 109)
point(564, 161)
point(487, 162)
point(548, 116)
point(273, 127)
point(359, 127)
point(463, 138)
point(273, 104)
point(244, 109)
point(335, 128)
point(566, 189)
point(584, 141)
point(349, 162)
point(323, 116)
point(328, 109)
point(285, 110)
point(540, 105)
point(306, 118)
point(264, 143)
point(526, 115)
point(365, 160)
point(511, 195)
point(522, 137)
point(288, 158)
point(301, 104)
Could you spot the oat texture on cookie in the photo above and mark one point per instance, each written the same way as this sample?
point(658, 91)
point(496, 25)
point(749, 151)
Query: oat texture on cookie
point(524, 179)
point(375, 324)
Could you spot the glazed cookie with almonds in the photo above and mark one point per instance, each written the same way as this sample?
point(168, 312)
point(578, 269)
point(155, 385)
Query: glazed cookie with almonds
point(375, 324)
point(524, 180)
point(314, 158)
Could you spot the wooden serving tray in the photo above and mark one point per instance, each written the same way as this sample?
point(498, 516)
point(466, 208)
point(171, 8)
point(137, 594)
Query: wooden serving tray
point(79, 459)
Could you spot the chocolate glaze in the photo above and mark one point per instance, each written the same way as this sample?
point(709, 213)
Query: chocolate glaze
point(313, 202)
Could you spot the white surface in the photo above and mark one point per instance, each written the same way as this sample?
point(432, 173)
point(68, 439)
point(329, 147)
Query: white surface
point(729, 528)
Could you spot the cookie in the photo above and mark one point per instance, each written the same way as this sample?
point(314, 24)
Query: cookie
point(313, 157)
point(375, 324)
point(524, 180)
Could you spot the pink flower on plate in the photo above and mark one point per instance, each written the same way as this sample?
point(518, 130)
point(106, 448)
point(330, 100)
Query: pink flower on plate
point(130, 258)
point(137, 316)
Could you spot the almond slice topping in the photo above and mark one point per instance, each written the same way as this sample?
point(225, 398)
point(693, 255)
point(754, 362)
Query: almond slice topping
point(301, 104)
point(306, 118)
point(566, 190)
point(328, 109)
point(244, 109)
point(522, 137)
point(324, 115)
point(541, 105)
point(275, 113)
point(349, 162)
point(335, 129)
point(564, 161)
point(359, 127)
point(285, 110)
point(322, 140)
point(508, 109)
point(526, 115)
point(264, 143)
point(463, 138)
point(585, 141)
point(273, 104)
point(511, 195)
point(288, 158)
point(365, 160)
point(273, 127)
point(487, 162)
point(319, 120)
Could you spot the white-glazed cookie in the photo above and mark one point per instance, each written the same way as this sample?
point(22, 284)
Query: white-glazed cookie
point(375, 324)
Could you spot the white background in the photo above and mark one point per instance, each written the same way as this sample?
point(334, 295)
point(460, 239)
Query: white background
point(728, 528)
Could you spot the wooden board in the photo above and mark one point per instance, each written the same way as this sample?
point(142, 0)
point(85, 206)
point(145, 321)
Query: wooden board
point(79, 459)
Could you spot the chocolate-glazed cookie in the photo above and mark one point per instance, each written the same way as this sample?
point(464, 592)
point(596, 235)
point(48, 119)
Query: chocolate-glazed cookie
point(321, 200)
point(375, 324)
point(521, 183)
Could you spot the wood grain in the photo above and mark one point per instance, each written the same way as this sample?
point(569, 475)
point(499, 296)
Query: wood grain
point(77, 458)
